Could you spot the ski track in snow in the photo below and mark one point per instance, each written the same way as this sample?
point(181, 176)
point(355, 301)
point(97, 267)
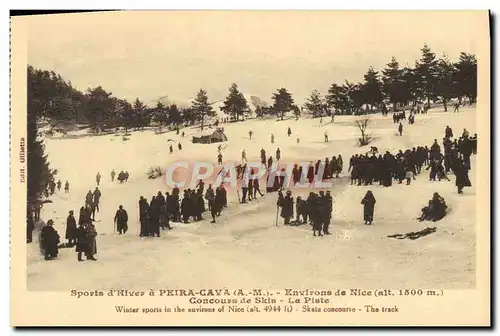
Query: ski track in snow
point(245, 249)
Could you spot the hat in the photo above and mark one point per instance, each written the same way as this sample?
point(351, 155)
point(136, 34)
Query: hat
point(50, 222)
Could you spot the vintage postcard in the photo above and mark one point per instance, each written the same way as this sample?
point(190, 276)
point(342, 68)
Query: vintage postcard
point(250, 168)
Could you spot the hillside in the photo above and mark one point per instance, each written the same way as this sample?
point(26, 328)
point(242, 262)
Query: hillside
point(245, 248)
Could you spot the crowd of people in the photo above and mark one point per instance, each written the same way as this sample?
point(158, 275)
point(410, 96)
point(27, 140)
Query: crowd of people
point(365, 169)
point(368, 168)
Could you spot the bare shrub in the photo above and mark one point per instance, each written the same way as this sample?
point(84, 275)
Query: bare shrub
point(363, 124)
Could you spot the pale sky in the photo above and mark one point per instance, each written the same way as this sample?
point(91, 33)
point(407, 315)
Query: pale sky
point(154, 54)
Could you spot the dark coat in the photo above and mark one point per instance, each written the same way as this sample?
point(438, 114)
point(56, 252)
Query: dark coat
point(369, 207)
point(49, 239)
point(462, 176)
point(82, 244)
point(70, 227)
point(287, 207)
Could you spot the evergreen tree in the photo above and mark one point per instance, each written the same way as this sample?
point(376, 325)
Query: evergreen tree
point(100, 107)
point(283, 102)
point(39, 173)
point(315, 104)
point(336, 99)
point(392, 82)
point(125, 114)
point(427, 73)
point(372, 89)
point(446, 75)
point(141, 114)
point(174, 115)
point(235, 104)
point(201, 107)
point(160, 116)
point(466, 77)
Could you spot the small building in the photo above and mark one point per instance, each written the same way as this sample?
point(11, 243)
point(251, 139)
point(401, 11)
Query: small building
point(216, 136)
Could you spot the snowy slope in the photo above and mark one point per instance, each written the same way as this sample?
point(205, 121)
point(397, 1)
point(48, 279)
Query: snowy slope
point(245, 248)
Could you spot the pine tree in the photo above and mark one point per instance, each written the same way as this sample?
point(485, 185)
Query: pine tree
point(372, 89)
point(283, 102)
point(392, 82)
point(466, 77)
point(125, 114)
point(315, 104)
point(201, 107)
point(427, 71)
point(100, 107)
point(141, 114)
point(235, 104)
point(174, 115)
point(39, 173)
point(160, 116)
point(446, 75)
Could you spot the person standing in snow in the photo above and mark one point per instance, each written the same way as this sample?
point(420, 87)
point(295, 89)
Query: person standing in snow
point(49, 240)
point(121, 220)
point(113, 175)
point(289, 131)
point(88, 198)
point(250, 135)
point(368, 207)
point(71, 228)
point(179, 146)
point(243, 156)
point(278, 154)
point(91, 235)
point(97, 197)
point(400, 129)
point(98, 178)
point(59, 185)
point(326, 136)
point(171, 149)
point(82, 245)
point(272, 138)
point(66, 187)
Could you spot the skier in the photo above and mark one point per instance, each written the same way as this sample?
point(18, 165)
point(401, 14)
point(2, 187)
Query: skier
point(219, 159)
point(272, 138)
point(113, 175)
point(326, 136)
point(243, 156)
point(456, 107)
point(59, 185)
point(98, 178)
point(400, 129)
point(121, 219)
point(250, 135)
point(66, 187)
point(289, 131)
point(278, 154)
